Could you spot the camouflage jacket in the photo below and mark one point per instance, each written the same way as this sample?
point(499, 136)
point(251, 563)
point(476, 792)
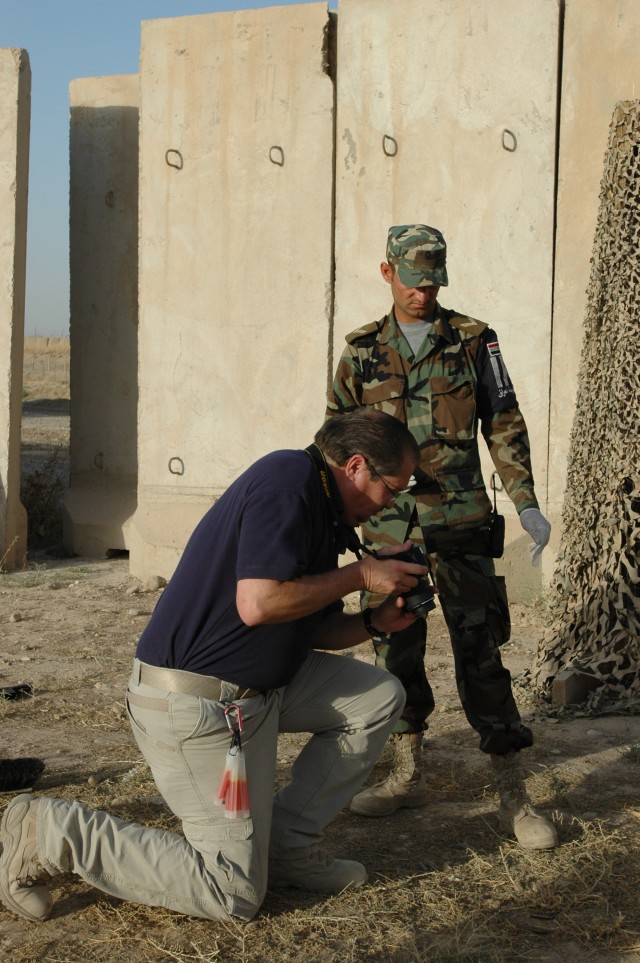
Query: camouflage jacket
point(456, 384)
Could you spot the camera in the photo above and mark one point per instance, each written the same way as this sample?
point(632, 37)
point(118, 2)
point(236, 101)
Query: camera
point(418, 600)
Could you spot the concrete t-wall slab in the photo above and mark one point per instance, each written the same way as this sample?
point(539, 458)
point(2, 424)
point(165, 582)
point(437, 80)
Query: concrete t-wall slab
point(15, 111)
point(444, 117)
point(601, 66)
point(104, 313)
point(235, 257)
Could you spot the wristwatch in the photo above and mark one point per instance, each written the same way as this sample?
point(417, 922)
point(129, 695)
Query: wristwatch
point(371, 629)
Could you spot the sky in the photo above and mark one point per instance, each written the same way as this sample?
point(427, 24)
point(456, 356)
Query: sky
point(67, 39)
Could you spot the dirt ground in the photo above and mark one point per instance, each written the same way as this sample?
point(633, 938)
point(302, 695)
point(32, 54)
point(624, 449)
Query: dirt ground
point(444, 884)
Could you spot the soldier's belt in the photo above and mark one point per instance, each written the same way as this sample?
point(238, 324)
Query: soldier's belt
point(426, 488)
point(476, 542)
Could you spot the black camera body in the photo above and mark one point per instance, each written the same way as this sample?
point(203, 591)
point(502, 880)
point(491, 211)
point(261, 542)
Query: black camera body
point(419, 600)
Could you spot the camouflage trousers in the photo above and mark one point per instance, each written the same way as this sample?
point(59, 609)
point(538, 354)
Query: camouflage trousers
point(475, 607)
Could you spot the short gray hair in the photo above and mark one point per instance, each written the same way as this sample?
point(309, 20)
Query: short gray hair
point(382, 440)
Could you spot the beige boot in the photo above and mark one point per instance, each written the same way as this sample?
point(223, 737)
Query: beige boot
point(516, 815)
point(23, 879)
point(314, 870)
point(404, 787)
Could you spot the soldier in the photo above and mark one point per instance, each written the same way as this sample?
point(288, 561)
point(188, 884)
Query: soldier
point(443, 375)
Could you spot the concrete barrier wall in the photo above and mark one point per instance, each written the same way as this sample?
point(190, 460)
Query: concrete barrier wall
point(104, 313)
point(444, 118)
point(15, 94)
point(235, 256)
point(446, 111)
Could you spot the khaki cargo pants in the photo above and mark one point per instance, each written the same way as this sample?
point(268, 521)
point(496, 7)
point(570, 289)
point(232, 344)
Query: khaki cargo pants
point(218, 868)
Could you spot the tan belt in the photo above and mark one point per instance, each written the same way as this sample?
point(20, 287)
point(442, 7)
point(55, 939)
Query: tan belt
point(189, 683)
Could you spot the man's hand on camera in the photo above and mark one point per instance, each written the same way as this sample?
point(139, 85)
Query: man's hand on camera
point(391, 616)
point(390, 576)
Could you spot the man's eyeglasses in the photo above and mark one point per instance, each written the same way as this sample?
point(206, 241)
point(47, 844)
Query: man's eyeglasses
point(392, 491)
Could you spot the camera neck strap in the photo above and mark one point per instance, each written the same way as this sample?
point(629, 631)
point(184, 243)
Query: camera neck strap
point(344, 536)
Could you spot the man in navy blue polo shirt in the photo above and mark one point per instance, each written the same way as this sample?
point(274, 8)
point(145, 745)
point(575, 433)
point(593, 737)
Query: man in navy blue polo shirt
point(256, 596)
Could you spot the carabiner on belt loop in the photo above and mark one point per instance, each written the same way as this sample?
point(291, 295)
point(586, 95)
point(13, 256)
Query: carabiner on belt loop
point(236, 731)
point(233, 793)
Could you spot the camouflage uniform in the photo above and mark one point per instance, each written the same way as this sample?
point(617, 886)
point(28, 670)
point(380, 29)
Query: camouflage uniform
point(456, 384)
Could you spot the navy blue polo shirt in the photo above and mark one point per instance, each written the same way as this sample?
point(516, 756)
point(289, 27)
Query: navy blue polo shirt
point(273, 523)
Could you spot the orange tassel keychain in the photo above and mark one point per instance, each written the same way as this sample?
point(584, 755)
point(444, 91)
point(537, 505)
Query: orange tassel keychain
point(233, 793)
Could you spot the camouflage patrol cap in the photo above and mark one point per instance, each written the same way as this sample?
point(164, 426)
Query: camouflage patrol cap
point(419, 255)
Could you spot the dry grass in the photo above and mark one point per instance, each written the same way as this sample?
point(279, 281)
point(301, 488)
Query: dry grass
point(487, 903)
point(506, 905)
point(46, 367)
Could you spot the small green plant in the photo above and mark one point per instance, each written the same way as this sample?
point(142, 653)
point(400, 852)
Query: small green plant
point(35, 575)
point(631, 753)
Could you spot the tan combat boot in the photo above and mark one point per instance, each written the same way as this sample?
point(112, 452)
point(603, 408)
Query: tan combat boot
point(23, 879)
point(314, 870)
point(404, 787)
point(516, 815)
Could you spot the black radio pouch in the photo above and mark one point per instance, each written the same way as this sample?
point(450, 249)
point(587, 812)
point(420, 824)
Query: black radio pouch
point(496, 527)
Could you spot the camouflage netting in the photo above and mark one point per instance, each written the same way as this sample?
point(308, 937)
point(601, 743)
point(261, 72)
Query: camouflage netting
point(594, 604)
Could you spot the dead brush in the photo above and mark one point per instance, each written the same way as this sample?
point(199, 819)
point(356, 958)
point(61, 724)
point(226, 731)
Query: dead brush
point(497, 906)
point(487, 901)
point(41, 494)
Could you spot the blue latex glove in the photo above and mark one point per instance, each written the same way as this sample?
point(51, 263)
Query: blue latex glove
point(536, 525)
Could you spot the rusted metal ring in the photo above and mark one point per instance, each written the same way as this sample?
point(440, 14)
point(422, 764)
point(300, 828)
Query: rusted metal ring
point(174, 159)
point(276, 155)
point(389, 145)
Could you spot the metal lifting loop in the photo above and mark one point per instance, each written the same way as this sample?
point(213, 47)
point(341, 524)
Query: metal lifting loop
point(389, 145)
point(174, 159)
point(276, 155)
point(511, 144)
point(176, 466)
